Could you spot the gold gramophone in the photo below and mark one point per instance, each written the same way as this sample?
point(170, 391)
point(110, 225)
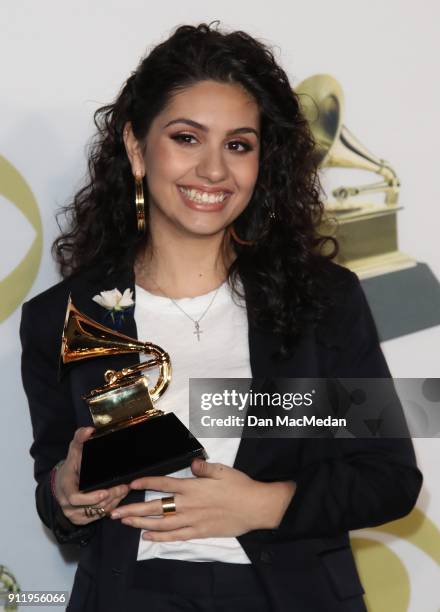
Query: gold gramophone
point(366, 230)
point(132, 437)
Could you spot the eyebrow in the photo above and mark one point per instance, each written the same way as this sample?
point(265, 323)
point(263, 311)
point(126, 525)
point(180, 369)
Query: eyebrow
point(199, 126)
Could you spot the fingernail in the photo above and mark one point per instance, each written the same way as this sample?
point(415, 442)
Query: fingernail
point(115, 515)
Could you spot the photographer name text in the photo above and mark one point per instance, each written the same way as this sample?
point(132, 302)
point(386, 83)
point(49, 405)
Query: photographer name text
point(276, 421)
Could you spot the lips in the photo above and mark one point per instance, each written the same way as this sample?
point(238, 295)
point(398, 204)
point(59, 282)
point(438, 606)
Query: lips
point(203, 205)
point(203, 196)
point(207, 189)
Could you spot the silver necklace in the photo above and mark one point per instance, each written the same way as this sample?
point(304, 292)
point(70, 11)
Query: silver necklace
point(197, 331)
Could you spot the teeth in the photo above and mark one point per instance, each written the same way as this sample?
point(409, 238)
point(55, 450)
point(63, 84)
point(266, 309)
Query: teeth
point(202, 196)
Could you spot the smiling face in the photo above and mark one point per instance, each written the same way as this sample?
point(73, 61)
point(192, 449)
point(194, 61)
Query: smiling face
point(200, 159)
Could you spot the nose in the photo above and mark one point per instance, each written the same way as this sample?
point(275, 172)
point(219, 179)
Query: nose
point(212, 165)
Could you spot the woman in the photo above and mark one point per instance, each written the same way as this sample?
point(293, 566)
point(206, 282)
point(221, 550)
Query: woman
point(227, 272)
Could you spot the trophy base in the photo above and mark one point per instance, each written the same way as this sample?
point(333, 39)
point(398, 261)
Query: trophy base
point(404, 301)
point(155, 447)
point(376, 265)
point(368, 240)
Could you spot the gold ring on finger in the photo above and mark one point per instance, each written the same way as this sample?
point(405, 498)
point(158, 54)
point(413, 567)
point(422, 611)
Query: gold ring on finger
point(91, 511)
point(168, 505)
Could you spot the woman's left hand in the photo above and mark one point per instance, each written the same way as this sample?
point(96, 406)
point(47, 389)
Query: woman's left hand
point(220, 502)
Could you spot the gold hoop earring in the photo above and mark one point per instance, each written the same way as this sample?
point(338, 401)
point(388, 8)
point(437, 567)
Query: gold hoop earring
point(238, 240)
point(140, 205)
point(271, 217)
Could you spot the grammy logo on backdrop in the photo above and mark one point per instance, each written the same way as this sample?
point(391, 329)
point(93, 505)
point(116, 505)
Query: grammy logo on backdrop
point(367, 230)
point(403, 294)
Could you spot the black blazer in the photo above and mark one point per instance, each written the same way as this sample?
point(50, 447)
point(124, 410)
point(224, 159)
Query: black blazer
point(306, 564)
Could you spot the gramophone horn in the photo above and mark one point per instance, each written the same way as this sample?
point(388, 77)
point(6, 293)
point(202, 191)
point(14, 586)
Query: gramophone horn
point(84, 338)
point(322, 102)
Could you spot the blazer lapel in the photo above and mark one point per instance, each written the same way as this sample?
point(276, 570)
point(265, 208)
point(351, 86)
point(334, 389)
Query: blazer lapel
point(263, 346)
point(89, 374)
point(92, 284)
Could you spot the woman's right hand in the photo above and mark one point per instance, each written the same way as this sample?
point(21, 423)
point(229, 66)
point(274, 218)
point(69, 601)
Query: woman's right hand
point(66, 483)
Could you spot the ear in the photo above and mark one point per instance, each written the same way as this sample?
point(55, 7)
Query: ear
point(134, 151)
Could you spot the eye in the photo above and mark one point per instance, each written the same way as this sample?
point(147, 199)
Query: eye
point(246, 147)
point(182, 138)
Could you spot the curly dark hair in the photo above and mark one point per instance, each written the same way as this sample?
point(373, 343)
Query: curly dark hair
point(283, 271)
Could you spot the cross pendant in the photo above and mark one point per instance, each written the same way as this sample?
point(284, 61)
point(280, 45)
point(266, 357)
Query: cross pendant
point(198, 331)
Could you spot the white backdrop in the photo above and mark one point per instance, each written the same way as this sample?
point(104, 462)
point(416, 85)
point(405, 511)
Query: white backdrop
point(60, 61)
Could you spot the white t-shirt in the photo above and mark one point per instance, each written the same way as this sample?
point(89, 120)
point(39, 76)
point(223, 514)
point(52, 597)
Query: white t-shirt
point(221, 352)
